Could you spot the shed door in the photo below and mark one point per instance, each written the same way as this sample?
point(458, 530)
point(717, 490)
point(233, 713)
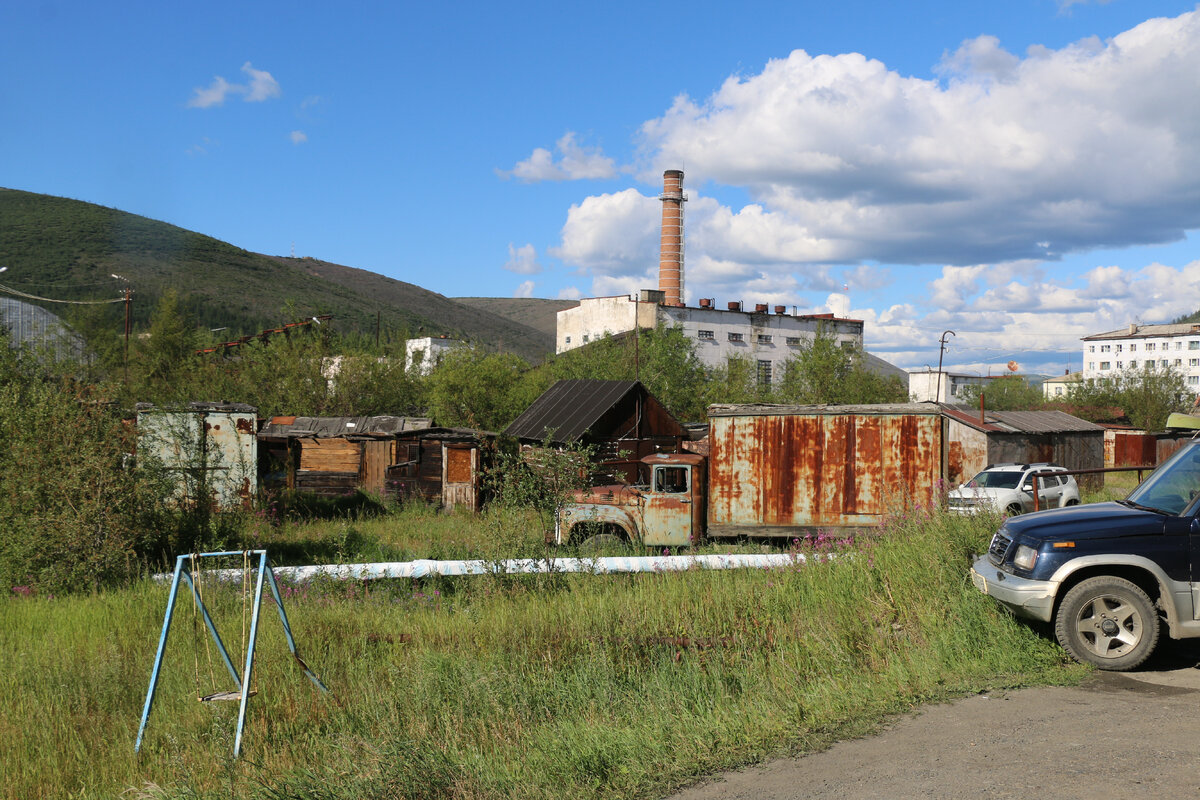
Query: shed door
point(458, 476)
point(373, 472)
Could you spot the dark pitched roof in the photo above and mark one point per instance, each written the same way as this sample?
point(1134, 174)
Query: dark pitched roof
point(569, 408)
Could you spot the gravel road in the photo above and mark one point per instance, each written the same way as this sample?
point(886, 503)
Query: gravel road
point(1132, 735)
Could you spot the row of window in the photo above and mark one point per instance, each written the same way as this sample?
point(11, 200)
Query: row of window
point(1148, 363)
point(1193, 344)
point(762, 338)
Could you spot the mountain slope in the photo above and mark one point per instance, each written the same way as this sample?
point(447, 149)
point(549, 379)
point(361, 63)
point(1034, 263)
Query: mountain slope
point(67, 249)
point(539, 314)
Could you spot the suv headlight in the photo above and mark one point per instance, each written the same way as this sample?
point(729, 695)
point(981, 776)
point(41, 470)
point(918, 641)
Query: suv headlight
point(1025, 557)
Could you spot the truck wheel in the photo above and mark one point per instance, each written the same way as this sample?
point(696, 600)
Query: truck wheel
point(1013, 510)
point(1107, 622)
point(598, 542)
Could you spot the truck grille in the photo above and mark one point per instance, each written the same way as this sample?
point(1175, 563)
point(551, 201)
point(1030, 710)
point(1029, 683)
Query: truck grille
point(999, 546)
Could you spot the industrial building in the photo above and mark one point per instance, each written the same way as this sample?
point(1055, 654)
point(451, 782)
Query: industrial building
point(766, 336)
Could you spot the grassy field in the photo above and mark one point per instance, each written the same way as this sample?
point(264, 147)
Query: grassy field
point(503, 686)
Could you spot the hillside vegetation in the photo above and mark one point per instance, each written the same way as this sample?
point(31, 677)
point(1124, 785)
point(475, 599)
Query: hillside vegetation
point(67, 250)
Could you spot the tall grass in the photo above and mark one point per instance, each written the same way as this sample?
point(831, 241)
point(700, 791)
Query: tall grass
point(513, 686)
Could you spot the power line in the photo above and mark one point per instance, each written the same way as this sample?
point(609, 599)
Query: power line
point(27, 296)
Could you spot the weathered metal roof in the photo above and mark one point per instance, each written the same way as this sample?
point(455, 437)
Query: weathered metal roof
point(199, 405)
point(329, 427)
point(567, 409)
point(766, 409)
point(1023, 421)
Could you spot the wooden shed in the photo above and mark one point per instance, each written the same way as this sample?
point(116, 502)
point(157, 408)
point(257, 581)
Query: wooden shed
point(973, 442)
point(333, 456)
point(441, 465)
point(620, 418)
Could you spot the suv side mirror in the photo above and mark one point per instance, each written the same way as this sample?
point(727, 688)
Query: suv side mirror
point(1027, 487)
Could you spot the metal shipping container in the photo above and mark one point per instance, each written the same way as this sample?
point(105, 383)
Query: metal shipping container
point(786, 470)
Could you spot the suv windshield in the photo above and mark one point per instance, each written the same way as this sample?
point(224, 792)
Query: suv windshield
point(995, 480)
point(1173, 486)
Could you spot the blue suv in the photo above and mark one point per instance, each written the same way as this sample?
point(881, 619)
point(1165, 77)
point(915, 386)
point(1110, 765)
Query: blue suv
point(1109, 576)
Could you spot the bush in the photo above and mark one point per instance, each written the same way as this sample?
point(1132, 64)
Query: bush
point(77, 515)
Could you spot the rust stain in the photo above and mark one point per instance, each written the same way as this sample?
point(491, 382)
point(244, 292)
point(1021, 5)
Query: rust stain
point(243, 425)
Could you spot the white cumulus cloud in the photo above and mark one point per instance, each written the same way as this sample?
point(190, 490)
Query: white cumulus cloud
point(298, 137)
point(575, 162)
point(524, 290)
point(522, 260)
point(259, 86)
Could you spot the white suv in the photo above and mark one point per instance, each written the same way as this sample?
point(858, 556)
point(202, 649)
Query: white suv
point(1008, 488)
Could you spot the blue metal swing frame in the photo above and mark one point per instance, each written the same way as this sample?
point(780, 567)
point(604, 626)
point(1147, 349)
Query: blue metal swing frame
point(183, 571)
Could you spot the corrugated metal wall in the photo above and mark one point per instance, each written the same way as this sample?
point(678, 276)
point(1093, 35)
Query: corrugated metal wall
point(781, 473)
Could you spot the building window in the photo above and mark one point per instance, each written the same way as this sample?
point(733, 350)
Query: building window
point(1120, 365)
point(1133, 363)
point(764, 373)
point(704, 334)
point(1120, 347)
point(736, 337)
point(1091, 366)
point(1178, 362)
point(568, 340)
point(1194, 362)
point(764, 338)
point(1104, 348)
point(1091, 348)
point(1150, 345)
point(585, 338)
point(1162, 362)
point(1194, 344)
point(793, 341)
point(1193, 379)
point(1179, 345)
point(1104, 365)
point(1133, 347)
point(1058, 391)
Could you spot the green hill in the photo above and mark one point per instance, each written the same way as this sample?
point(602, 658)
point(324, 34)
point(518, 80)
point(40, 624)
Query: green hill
point(539, 314)
point(67, 249)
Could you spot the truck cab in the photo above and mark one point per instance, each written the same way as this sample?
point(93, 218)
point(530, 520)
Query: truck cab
point(666, 510)
point(1109, 576)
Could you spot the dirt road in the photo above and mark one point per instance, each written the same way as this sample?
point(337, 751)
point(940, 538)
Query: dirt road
point(1133, 735)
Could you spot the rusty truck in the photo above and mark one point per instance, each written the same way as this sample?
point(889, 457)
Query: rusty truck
point(771, 472)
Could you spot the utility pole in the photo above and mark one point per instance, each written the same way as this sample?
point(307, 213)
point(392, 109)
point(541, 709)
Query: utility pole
point(128, 320)
point(937, 395)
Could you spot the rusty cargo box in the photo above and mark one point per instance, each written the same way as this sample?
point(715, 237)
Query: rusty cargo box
point(789, 470)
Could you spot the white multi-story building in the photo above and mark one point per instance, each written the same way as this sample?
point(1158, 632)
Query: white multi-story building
point(1143, 346)
point(767, 339)
point(1060, 388)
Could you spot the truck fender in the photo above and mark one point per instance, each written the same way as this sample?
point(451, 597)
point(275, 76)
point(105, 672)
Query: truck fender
point(1171, 593)
point(574, 514)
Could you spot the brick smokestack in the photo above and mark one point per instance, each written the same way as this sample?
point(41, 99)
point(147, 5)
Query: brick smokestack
point(670, 253)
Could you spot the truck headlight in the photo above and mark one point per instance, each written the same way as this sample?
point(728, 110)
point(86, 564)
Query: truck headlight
point(1025, 557)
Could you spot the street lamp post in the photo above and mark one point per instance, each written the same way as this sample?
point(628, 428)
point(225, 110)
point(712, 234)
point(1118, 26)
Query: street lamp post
point(937, 395)
point(128, 321)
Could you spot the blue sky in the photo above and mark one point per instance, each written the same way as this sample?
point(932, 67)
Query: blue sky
point(1023, 173)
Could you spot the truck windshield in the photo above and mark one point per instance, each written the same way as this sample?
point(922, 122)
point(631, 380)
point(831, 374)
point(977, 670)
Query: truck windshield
point(1173, 486)
point(995, 480)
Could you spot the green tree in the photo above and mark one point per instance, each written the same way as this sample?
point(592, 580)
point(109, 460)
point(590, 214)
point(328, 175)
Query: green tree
point(165, 358)
point(825, 371)
point(735, 381)
point(1006, 393)
point(1147, 396)
point(474, 389)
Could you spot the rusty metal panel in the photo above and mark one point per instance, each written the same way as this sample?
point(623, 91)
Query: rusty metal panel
point(212, 450)
point(792, 470)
